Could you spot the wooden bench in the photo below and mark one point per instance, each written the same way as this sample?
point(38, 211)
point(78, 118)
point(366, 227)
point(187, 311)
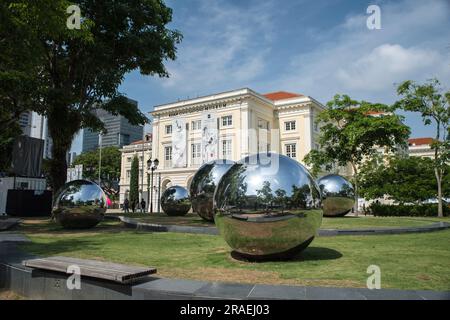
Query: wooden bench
point(92, 268)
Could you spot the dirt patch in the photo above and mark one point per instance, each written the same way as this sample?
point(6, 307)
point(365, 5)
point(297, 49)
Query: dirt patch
point(9, 295)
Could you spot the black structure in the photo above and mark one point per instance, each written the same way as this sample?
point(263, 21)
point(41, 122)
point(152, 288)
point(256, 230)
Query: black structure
point(27, 156)
point(29, 203)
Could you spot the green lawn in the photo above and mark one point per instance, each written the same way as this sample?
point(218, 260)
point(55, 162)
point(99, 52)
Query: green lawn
point(192, 219)
point(413, 261)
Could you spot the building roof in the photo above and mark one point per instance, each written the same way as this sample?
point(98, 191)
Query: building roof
point(420, 141)
point(375, 112)
point(281, 95)
point(148, 139)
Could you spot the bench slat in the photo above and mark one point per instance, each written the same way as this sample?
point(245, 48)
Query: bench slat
point(91, 268)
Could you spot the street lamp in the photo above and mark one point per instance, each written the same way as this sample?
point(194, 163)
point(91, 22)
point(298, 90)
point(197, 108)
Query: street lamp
point(152, 165)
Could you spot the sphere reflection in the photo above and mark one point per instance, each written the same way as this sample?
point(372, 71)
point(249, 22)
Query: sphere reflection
point(175, 201)
point(204, 184)
point(338, 195)
point(80, 204)
point(267, 206)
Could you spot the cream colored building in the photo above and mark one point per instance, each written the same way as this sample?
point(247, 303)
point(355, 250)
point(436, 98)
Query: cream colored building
point(420, 147)
point(232, 124)
point(141, 149)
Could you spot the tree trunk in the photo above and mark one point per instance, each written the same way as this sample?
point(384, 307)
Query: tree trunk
point(439, 185)
point(355, 174)
point(62, 125)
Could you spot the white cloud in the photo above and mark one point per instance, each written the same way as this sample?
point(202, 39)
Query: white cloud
point(385, 65)
point(412, 44)
point(223, 45)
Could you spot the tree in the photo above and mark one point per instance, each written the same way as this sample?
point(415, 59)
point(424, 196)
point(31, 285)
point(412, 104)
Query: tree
point(74, 70)
point(110, 167)
point(8, 134)
point(433, 105)
point(134, 181)
point(402, 179)
point(350, 135)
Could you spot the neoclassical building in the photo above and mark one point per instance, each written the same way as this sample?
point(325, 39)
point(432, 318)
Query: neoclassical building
point(142, 150)
point(230, 125)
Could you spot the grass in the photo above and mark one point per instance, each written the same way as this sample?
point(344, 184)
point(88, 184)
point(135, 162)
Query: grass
point(411, 261)
point(347, 222)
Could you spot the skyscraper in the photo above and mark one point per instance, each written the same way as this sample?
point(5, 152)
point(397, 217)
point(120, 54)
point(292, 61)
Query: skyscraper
point(35, 125)
point(120, 132)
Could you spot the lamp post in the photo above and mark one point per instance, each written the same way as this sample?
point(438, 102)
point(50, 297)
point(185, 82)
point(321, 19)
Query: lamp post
point(152, 165)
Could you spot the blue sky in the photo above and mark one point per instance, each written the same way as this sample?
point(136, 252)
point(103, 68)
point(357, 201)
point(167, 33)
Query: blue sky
point(317, 48)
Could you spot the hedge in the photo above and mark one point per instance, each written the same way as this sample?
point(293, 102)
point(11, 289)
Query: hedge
point(402, 210)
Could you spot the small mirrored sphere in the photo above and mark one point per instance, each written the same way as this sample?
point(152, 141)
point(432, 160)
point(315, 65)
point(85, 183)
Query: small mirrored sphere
point(175, 201)
point(80, 204)
point(204, 184)
point(338, 195)
point(267, 206)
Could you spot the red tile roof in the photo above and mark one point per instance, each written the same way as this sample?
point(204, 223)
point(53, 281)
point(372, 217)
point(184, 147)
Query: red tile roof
point(375, 112)
point(281, 95)
point(149, 137)
point(420, 141)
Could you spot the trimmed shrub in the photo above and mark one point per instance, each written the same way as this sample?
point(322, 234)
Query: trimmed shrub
point(403, 210)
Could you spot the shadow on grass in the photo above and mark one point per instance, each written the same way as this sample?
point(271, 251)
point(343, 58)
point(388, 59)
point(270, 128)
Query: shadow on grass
point(61, 247)
point(309, 254)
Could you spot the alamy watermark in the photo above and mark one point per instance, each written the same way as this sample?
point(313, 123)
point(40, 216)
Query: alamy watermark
point(374, 280)
point(74, 280)
point(373, 22)
point(74, 20)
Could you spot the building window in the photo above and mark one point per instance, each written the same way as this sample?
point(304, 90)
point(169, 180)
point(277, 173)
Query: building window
point(289, 125)
point(263, 124)
point(196, 125)
point(169, 129)
point(227, 121)
point(226, 149)
point(128, 174)
point(291, 150)
point(196, 153)
point(168, 156)
point(140, 173)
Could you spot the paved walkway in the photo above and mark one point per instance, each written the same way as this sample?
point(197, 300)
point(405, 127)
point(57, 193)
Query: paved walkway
point(134, 224)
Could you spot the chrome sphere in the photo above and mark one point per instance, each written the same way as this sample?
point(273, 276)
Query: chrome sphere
point(175, 201)
point(267, 206)
point(80, 204)
point(338, 195)
point(204, 184)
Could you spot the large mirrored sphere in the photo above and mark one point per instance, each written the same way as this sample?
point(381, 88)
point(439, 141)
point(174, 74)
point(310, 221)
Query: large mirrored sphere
point(267, 206)
point(204, 184)
point(175, 201)
point(80, 204)
point(338, 195)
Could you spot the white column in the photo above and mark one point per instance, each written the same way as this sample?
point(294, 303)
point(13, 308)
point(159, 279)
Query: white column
point(308, 130)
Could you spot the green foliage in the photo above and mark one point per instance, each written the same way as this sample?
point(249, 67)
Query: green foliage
point(64, 74)
point(110, 168)
point(7, 136)
point(402, 179)
point(134, 181)
point(429, 100)
point(349, 134)
point(421, 210)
